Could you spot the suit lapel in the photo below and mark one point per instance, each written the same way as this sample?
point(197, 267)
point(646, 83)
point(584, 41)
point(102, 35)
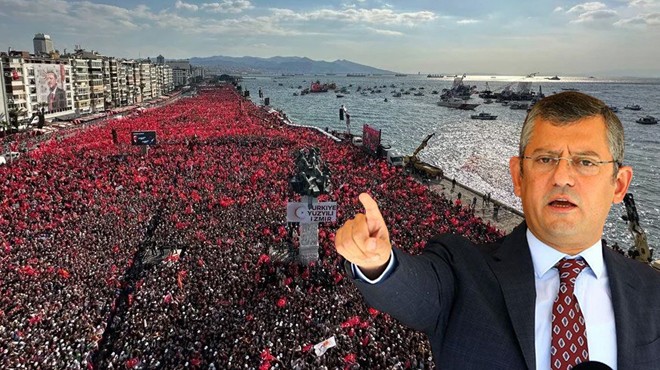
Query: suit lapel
point(512, 265)
point(626, 303)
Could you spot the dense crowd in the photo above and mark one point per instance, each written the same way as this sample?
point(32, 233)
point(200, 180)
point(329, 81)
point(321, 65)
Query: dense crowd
point(80, 215)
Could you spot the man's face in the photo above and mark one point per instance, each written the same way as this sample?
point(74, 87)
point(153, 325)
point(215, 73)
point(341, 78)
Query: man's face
point(51, 80)
point(563, 208)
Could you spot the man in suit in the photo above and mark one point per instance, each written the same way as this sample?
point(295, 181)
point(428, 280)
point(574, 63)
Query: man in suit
point(506, 305)
point(56, 97)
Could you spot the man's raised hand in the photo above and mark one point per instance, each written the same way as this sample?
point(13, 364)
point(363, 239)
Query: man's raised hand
point(364, 240)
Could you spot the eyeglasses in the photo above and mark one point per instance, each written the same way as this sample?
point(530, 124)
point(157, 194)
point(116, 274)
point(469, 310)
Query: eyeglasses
point(584, 165)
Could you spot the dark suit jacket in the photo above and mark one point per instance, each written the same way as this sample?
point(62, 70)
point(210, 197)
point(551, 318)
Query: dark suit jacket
point(60, 99)
point(476, 303)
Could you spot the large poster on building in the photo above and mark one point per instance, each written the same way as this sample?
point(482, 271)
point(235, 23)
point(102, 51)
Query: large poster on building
point(51, 86)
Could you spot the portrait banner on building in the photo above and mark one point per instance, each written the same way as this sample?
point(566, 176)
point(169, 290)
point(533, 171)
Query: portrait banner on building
point(50, 80)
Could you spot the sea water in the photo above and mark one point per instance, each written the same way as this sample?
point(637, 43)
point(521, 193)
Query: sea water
point(477, 152)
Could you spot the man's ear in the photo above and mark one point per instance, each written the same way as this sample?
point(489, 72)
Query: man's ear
point(516, 174)
point(622, 182)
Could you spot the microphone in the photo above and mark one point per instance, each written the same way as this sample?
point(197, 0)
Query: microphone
point(591, 365)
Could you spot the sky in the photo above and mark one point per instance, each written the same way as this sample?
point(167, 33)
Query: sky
point(603, 38)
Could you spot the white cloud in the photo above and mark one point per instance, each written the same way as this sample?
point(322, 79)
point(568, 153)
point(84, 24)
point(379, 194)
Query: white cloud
point(468, 21)
point(558, 9)
point(643, 3)
point(181, 5)
point(370, 16)
point(385, 32)
point(595, 15)
point(586, 7)
point(650, 19)
point(228, 6)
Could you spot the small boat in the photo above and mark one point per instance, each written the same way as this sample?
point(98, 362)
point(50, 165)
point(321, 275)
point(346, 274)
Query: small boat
point(434, 92)
point(419, 94)
point(633, 107)
point(648, 120)
point(483, 116)
point(614, 109)
point(555, 78)
point(340, 96)
point(457, 104)
point(520, 106)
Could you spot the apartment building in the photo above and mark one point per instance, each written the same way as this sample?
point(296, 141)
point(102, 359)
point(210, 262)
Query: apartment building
point(34, 83)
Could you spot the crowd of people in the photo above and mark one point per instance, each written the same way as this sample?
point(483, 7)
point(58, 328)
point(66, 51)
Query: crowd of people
point(79, 214)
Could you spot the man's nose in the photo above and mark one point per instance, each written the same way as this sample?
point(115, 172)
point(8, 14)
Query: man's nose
point(564, 173)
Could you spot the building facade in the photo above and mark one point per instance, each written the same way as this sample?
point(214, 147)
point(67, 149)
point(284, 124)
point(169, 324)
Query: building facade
point(43, 45)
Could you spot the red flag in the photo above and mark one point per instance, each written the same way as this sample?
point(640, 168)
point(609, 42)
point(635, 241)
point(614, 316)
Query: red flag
point(200, 262)
point(350, 358)
point(373, 312)
point(64, 273)
point(351, 322)
point(34, 319)
point(281, 302)
point(131, 363)
point(167, 298)
point(266, 355)
point(180, 276)
point(307, 347)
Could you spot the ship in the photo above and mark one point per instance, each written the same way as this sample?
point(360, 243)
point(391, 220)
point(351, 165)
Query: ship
point(457, 104)
point(484, 116)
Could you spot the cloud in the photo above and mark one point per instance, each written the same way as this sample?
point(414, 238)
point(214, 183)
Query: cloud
point(228, 6)
point(586, 7)
point(385, 32)
point(558, 9)
point(595, 15)
point(650, 19)
point(369, 16)
point(642, 3)
point(468, 21)
point(181, 5)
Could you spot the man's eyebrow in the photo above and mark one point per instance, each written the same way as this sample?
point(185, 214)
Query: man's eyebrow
point(584, 153)
point(546, 151)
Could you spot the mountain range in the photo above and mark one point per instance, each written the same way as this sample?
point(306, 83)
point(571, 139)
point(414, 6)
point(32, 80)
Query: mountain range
point(284, 65)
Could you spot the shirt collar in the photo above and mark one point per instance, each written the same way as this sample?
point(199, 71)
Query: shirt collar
point(544, 257)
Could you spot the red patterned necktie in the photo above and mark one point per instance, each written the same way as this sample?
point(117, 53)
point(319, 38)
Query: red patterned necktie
point(51, 100)
point(569, 334)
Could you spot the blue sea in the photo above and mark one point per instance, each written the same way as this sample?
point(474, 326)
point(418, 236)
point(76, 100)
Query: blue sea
point(476, 152)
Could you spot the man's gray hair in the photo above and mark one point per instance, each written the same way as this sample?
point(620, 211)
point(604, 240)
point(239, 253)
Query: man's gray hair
point(568, 107)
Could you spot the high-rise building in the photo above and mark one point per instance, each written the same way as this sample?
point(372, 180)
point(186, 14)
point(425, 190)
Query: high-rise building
point(42, 44)
point(160, 60)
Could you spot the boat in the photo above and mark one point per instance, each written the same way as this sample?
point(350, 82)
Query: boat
point(317, 87)
point(614, 109)
point(434, 76)
point(419, 94)
point(554, 78)
point(397, 95)
point(400, 75)
point(633, 107)
point(520, 106)
point(648, 120)
point(457, 104)
point(340, 96)
point(483, 116)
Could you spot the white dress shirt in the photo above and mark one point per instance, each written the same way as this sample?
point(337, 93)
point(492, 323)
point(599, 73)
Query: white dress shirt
point(592, 291)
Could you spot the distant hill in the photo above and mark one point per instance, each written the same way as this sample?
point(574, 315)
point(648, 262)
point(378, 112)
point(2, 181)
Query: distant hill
point(286, 65)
